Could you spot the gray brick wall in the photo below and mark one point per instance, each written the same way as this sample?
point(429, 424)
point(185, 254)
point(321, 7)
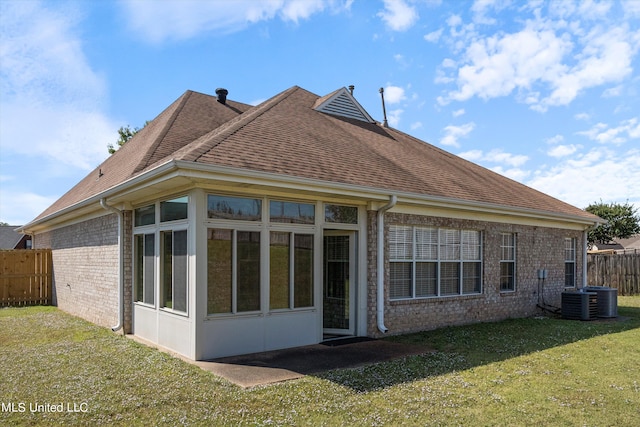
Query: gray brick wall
point(85, 268)
point(537, 247)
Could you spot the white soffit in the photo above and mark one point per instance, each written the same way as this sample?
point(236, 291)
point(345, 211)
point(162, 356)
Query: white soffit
point(342, 103)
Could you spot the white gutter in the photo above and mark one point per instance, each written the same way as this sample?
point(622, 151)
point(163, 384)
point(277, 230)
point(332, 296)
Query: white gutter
point(103, 203)
point(380, 268)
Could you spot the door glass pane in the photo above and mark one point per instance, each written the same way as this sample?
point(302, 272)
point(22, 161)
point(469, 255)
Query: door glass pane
point(279, 270)
point(248, 268)
point(341, 214)
point(219, 271)
point(336, 282)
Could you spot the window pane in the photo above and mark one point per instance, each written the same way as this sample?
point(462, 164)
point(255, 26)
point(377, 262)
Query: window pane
point(449, 278)
point(139, 267)
point(471, 277)
point(219, 273)
point(303, 270)
point(341, 214)
point(507, 276)
point(426, 243)
point(426, 279)
point(279, 270)
point(225, 207)
point(569, 274)
point(400, 274)
point(470, 245)
point(569, 249)
point(145, 215)
point(292, 213)
point(450, 244)
point(149, 268)
point(400, 242)
point(175, 209)
point(248, 268)
point(180, 270)
point(167, 269)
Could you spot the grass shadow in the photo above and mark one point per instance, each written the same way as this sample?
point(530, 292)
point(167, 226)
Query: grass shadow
point(463, 347)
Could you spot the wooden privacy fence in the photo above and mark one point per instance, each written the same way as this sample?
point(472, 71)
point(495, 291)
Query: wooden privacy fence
point(620, 271)
point(25, 277)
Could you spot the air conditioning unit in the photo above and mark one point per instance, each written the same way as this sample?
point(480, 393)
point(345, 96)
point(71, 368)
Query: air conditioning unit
point(579, 305)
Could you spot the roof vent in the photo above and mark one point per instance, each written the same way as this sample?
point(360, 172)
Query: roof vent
point(222, 95)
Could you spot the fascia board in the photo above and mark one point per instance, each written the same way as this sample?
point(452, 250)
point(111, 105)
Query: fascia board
point(375, 195)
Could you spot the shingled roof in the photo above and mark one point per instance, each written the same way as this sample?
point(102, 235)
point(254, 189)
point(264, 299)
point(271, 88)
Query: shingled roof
point(288, 135)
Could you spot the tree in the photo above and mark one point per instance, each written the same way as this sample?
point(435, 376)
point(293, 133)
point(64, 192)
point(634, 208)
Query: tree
point(622, 222)
point(126, 133)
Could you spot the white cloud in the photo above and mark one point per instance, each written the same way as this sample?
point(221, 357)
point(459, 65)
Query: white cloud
point(51, 98)
point(480, 8)
point(601, 132)
point(582, 116)
point(19, 207)
point(398, 15)
point(555, 139)
point(433, 36)
point(394, 94)
point(458, 113)
point(563, 150)
point(393, 117)
point(453, 133)
point(495, 156)
point(159, 21)
point(599, 174)
point(416, 125)
point(556, 55)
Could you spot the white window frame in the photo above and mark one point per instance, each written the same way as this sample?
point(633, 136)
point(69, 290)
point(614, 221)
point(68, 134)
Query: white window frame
point(456, 255)
point(570, 260)
point(503, 260)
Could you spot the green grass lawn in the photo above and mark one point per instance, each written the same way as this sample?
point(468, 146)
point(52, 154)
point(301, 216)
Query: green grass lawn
point(537, 371)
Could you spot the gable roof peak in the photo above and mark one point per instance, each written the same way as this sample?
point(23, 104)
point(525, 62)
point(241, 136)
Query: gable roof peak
point(342, 103)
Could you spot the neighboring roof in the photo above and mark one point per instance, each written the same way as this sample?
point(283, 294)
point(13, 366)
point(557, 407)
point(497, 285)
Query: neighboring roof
point(632, 242)
point(287, 135)
point(9, 238)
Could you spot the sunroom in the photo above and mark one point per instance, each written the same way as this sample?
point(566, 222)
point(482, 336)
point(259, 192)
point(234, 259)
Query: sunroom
point(217, 274)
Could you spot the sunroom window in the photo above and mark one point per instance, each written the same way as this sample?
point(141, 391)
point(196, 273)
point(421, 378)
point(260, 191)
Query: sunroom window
point(290, 270)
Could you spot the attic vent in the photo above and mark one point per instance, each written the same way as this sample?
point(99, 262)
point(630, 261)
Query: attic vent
point(342, 103)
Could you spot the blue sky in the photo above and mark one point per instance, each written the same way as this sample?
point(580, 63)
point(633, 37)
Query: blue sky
point(545, 93)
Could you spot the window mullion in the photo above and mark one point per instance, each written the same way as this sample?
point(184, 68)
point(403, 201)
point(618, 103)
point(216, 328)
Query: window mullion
point(234, 271)
point(291, 268)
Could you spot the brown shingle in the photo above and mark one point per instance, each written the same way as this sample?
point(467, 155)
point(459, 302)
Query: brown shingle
point(285, 135)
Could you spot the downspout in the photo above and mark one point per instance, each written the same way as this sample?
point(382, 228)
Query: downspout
point(380, 268)
point(103, 203)
point(585, 234)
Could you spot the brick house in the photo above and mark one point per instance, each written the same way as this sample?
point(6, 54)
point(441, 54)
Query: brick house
point(223, 228)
